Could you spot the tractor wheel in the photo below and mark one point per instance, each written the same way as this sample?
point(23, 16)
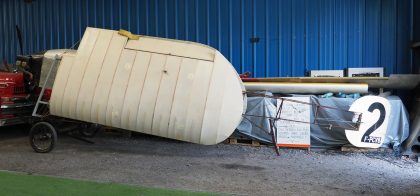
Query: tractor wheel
point(42, 137)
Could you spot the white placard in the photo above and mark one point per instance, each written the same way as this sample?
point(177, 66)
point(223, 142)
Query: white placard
point(373, 122)
point(293, 128)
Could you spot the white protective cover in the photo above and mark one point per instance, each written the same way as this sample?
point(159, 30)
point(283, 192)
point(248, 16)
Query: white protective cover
point(170, 88)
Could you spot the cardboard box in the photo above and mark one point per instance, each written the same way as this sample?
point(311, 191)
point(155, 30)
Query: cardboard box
point(327, 73)
point(365, 72)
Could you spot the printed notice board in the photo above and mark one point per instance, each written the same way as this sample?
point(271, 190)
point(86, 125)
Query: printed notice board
point(293, 128)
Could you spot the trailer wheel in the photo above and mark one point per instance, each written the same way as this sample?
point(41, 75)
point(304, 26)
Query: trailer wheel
point(42, 137)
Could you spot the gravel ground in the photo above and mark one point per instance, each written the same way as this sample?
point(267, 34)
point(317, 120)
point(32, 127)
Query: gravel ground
point(233, 169)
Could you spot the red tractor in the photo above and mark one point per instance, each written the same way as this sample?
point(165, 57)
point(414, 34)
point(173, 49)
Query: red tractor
point(19, 91)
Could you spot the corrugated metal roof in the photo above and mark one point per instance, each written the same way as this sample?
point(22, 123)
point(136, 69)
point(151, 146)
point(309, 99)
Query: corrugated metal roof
point(265, 37)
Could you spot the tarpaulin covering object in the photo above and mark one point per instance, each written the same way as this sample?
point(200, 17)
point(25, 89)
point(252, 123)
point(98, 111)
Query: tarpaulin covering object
point(322, 136)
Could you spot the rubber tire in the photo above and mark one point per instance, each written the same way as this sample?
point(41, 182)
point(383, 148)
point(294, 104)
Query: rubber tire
point(51, 130)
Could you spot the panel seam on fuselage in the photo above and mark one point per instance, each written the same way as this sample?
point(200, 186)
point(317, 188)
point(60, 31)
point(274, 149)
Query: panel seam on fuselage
point(125, 92)
point(83, 75)
point(167, 54)
point(157, 94)
point(113, 76)
point(142, 89)
point(208, 91)
point(173, 96)
point(97, 78)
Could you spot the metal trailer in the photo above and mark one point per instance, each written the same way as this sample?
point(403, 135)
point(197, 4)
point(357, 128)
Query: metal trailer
point(43, 134)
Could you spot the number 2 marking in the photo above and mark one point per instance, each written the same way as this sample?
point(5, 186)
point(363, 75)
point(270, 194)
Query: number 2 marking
point(374, 121)
point(379, 122)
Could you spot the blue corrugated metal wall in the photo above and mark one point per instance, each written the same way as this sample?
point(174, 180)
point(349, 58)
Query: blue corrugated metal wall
point(416, 35)
point(292, 36)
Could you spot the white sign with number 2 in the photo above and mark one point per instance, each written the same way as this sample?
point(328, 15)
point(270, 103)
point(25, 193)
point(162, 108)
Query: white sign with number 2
point(373, 122)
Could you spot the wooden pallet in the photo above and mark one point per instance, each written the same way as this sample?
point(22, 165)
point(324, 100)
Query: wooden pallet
point(243, 141)
point(350, 148)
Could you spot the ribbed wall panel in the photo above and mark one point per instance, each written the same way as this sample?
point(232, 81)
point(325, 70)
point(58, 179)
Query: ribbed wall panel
point(290, 36)
point(416, 36)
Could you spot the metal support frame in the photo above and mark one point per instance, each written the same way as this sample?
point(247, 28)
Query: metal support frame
point(41, 94)
point(273, 132)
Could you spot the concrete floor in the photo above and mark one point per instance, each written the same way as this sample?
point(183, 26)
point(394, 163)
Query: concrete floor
point(234, 169)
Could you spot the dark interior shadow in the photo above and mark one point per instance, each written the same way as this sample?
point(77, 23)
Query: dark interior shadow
point(14, 132)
